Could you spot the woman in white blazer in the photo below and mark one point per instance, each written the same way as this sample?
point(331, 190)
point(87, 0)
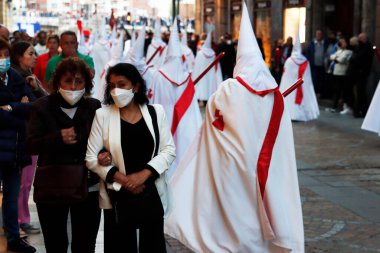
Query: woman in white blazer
point(135, 193)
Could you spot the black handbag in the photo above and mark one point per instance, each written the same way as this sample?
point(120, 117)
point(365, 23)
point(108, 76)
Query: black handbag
point(60, 184)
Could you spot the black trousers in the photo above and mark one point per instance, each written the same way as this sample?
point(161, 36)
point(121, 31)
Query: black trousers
point(318, 75)
point(85, 220)
point(144, 213)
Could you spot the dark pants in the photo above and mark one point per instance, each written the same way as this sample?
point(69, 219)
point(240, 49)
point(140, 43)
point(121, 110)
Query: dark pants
point(144, 213)
point(360, 104)
point(85, 220)
point(342, 90)
point(11, 178)
point(318, 76)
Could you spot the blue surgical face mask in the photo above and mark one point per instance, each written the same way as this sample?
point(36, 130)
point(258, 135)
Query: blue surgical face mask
point(5, 64)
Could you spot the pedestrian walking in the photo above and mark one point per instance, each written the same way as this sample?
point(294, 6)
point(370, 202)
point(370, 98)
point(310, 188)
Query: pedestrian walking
point(134, 192)
point(61, 142)
point(15, 101)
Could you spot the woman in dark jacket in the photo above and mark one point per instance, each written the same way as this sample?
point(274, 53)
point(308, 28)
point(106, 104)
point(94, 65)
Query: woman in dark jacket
point(23, 60)
point(14, 110)
point(58, 130)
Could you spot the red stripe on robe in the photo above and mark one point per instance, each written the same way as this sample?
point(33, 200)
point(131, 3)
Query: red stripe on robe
point(265, 155)
point(299, 92)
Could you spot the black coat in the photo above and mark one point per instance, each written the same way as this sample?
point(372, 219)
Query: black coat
point(12, 124)
point(44, 130)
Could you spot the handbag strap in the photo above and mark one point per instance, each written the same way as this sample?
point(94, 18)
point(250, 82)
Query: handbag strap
point(153, 115)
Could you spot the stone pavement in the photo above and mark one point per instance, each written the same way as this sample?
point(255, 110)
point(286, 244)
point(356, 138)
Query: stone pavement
point(339, 175)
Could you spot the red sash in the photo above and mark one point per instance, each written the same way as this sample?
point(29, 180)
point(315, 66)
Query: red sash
point(184, 101)
point(299, 93)
point(265, 155)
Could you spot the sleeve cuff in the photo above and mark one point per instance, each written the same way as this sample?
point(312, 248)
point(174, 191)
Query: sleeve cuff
point(110, 174)
point(155, 174)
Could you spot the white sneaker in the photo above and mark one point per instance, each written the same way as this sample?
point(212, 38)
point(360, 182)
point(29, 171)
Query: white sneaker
point(347, 110)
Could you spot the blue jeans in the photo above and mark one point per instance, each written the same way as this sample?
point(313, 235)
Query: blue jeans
point(11, 178)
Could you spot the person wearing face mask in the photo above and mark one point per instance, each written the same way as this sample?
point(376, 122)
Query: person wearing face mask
point(134, 192)
point(23, 60)
point(57, 132)
point(15, 98)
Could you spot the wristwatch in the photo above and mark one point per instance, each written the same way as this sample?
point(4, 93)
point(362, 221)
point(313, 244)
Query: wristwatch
point(9, 108)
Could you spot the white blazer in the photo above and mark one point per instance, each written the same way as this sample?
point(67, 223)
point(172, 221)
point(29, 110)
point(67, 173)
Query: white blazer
point(105, 133)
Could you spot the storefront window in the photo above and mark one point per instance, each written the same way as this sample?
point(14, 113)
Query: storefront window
point(295, 20)
point(263, 30)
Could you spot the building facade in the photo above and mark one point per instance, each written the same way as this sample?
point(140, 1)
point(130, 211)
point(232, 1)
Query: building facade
point(277, 19)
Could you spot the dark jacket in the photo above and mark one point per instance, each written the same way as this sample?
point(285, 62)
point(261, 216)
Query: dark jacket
point(311, 49)
point(12, 124)
point(44, 130)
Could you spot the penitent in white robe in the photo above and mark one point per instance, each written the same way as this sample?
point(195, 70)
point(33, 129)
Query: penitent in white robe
point(210, 82)
point(218, 202)
point(372, 118)
point(307, 106)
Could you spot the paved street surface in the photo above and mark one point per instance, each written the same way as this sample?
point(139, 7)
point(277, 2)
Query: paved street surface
point(339, 174)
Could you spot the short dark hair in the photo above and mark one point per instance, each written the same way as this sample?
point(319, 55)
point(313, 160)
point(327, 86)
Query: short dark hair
point(18, 50)
point(70, 33)
point(4, 45)
point(41, 32)
point(72, 65)
point(53, 37)
point(132, 74)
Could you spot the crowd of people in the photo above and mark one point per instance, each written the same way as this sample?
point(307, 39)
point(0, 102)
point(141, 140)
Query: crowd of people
point(340, 69)
point(50, 116)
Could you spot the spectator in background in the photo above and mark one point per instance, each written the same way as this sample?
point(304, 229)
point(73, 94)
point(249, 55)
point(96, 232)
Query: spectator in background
point(342, 89)
point(40, 47)
point(362, 67)
point(287, 49)
point(69, 46)
point(194, 42)
point(14, 111)
point(201, 40)
point(332, 47)
point(315, 53)
point(4, 33)
point(275, 62)
point(24, 36)
point(42, 60)
point(16, 36)
point(227, 63)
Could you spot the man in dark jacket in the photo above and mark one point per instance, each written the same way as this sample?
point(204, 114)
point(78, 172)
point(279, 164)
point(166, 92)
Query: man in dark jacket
point(361, 66)
point(227, 63)
point(15, 98)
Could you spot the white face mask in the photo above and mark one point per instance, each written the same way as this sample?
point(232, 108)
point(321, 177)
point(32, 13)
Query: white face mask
point(72, 96)
point(122, 97)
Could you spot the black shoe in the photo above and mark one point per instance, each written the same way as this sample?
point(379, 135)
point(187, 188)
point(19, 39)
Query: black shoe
point(21, 245)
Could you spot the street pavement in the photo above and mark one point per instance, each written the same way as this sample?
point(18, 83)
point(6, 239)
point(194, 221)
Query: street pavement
point(339, 176)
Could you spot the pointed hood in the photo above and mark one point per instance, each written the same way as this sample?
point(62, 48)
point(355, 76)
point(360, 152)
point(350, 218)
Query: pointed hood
point(206, 48)
point(173, 66)
point(157, 40)
point(133, 37)
point(137, 50)
point(297, 55)
point(135, 55)
point(184, 38)
point(117, 50)
point(250, 65)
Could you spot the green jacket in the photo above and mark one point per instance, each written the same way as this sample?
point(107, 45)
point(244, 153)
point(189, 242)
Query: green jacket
point(53, 62)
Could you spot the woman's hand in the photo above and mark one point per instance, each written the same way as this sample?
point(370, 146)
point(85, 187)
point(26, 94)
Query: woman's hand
point(24, 99)
point(105, 158)
point(134, 181)
point(69, 136)
point(32, 81)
